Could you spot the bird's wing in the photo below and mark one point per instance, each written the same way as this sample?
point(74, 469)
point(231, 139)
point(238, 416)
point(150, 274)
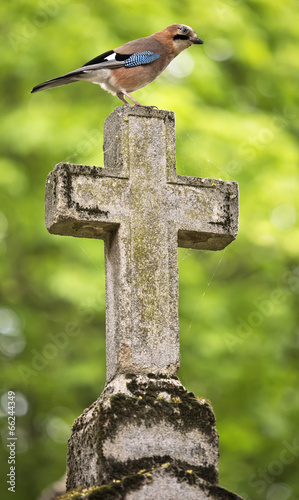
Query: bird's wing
point(107, 60)
point(113, 59)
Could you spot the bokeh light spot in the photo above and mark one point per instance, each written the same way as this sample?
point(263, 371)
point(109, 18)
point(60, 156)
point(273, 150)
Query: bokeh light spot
point(3, 225)
point(21, 407)
point(12, 340)
point(279, 492)
point(181, 66)
point(58, 430)
point(219, 49)
point(284, 216)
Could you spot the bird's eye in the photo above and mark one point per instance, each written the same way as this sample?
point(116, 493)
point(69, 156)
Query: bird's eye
point(183, 29)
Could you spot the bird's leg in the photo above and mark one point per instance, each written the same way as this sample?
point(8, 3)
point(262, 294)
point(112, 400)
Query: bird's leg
point(120, 95)
point(134, 100)
point(131, 98)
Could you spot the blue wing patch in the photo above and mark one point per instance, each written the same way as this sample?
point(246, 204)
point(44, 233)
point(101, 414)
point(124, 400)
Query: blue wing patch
point(140, 58)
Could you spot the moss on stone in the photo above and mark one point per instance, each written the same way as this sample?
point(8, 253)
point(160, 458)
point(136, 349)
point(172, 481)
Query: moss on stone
point(118, 489)
point(145, 407)
point(115, 489)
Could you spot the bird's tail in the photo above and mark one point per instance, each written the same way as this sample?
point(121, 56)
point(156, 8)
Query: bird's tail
point(56, 82)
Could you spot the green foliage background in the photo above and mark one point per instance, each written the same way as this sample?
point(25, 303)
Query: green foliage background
point(236, 119)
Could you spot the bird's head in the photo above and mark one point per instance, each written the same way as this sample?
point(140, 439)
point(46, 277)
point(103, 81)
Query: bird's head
point(182, 36)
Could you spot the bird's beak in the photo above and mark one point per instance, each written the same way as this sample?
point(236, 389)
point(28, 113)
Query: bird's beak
point(196, 40)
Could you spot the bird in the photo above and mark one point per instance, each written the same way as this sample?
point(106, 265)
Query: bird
point(132, 65)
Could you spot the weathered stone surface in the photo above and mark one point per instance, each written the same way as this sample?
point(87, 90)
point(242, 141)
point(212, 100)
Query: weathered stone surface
point(141, 422)
point(143, 210)
point(168, 482)
point(145, 438)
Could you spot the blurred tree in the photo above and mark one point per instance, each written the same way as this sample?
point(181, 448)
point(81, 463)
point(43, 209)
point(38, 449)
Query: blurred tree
point(236, 105)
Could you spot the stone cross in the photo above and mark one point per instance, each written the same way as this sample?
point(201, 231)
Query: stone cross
point(143, 211)
point(146, 436)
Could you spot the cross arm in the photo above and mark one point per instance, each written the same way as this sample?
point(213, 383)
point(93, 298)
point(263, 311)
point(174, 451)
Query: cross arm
point(84, 201)
point(205, 211)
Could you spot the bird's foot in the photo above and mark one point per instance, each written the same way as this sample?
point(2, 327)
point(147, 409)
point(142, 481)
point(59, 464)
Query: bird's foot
point(140, 105)
point(144, 106)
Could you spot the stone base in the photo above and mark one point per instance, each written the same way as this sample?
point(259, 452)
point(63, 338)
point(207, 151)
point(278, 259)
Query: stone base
point(167, 482)
point(146, 437)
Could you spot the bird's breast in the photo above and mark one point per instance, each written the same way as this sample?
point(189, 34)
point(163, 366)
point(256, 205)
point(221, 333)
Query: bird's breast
point(130, 79)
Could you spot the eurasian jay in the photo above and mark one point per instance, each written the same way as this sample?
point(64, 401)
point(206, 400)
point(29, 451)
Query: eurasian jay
point(133, 65)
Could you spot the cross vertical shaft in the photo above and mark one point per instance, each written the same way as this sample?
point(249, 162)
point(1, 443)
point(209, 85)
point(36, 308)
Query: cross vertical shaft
point(144, 323)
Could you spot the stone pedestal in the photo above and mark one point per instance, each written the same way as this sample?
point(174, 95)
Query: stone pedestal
point(146, 437)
